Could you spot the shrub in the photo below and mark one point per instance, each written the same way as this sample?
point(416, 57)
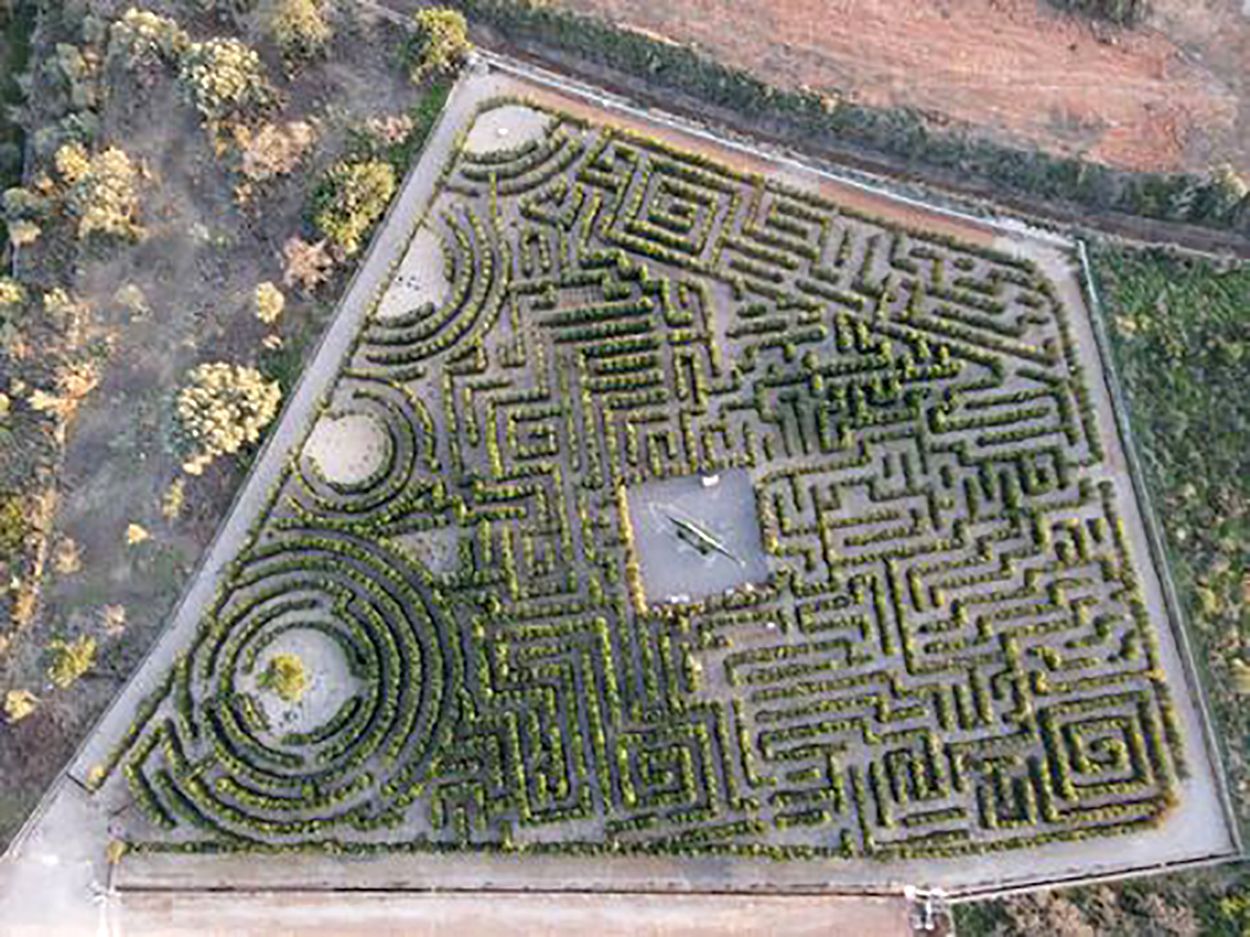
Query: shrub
point(380, 132)
point(74, 381)
point(12, 293)
point(225, 80)
point(307, 265)
point(1235, 910)
point(222, 409)
point(1228, 191)
point(14, 525)
point(102, 190)
point(23, 210)
point(285, 676)
point(174, 499)
point(442, 45)
point(1123, 12)
point(23, 232)
point(18, 704)
point(66, 556)
point(273, 149)
point(80, 74)
point(142, 39)
point(268, 302)
point(70, 660)
point(131, 298)
point(113, 620)
point(72, 162)
point(350, 198)
point(299, 28)
point(21, 202)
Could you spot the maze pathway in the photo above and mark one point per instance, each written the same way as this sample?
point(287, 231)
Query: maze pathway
point(947, 651)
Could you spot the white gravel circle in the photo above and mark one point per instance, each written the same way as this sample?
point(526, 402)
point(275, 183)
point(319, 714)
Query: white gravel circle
point(330, 682)
point(421, 278)
point(347, 449)
point(506, 128)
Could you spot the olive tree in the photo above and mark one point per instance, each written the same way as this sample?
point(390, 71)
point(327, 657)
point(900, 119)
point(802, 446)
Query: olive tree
point(101, 190)
point(223, 408)
point(70, 660)
point(143, 39)
point(442, 44)
point(351, 197)
point(299, 28)
point(225, 80)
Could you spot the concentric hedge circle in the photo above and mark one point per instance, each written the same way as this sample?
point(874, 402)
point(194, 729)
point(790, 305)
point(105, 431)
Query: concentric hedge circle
point(362, 766)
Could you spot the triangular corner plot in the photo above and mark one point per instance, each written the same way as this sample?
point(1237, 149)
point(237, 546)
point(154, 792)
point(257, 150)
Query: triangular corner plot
point(659, 515)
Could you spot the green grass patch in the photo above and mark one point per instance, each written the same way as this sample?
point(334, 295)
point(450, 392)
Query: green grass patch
point(1207, 902)
point(424, 114)
point(285, 363)
point(1180, 334)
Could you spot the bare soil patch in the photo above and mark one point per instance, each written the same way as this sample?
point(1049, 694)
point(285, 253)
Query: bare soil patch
point(343, 915)
point(1166, 96)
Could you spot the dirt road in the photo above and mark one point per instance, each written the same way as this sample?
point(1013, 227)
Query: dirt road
point(474, 914)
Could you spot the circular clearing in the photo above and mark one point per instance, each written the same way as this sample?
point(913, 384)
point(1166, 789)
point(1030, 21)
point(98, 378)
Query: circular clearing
point(329, 681)
point(506, 128)
point(347, 449)
point(421, 278)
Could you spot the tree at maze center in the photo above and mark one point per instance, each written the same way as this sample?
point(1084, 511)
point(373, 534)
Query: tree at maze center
point(286, 677)
point(949, 654)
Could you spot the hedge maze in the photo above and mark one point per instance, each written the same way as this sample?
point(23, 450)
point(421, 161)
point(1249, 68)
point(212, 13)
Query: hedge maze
point(949, 654)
